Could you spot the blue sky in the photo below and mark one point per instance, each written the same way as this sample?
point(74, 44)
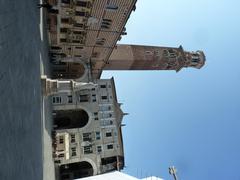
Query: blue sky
point(189, 119)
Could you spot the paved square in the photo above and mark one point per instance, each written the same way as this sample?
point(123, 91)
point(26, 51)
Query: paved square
point(25, 116)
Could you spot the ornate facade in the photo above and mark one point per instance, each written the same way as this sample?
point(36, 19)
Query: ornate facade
point(83, 37)
point(86, 31)
point(87, 130)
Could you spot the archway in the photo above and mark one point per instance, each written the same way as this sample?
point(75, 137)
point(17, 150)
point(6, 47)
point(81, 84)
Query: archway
point(70, 119)
point(68, 70)
point(76, 170)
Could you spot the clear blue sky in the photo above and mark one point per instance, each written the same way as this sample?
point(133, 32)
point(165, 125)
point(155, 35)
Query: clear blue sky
point(189, 119)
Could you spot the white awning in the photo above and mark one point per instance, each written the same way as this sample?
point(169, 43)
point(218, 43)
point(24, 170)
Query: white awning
point(116, 175)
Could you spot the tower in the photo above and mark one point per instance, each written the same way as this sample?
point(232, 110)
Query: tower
point(137, 57)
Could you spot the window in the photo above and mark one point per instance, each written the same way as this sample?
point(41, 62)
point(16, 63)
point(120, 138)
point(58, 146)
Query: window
point(110, 146)
point(56, 48)
point(99, 149)
point(63, 30)
point(94, 99)
point(106, 115)
point(87, 149)
point(170, 51)
point(96, 115)
point(76, 41)
point(80, 13)
point(100, 41)
point(84, 98)
point(66, 1)
point(56, 100)
point(63, 40)
point(81, 3)
point(74, 152)
point(106, 23)
point(106, 122)
point(61, 140)
point(195, 59)
point(65, 20)
point(73, 138)
point(80, 25)
point(108, 134)
point(103, 86)
point(165, 53)
point(78, 32)
point(87, 137)
point(104, 26)
point(61, 155)
point(107, 20)
point(79, 47)
point(112, 7)
point(98, 135)
point(70, 99)
point(148, 52)
point(95, 118)
point(105, 108)
point(104, 97)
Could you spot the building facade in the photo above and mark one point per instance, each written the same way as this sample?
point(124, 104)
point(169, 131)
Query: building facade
point(86, 31)
point(83, 36)
point(87, 131)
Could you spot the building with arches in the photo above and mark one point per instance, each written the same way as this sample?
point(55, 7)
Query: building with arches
point(88, 131)
point(83, 36)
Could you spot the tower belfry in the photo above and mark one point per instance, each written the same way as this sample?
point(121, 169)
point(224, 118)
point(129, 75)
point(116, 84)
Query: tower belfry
point(137, 57)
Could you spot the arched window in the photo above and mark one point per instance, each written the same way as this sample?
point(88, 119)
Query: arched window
point(112, 7)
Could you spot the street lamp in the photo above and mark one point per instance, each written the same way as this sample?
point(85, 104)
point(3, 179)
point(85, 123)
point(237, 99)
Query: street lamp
point(173, 171)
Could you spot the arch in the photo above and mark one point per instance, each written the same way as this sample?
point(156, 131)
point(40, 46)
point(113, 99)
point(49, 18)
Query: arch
point(76, 170)
point(69, 119)
point(69, 70)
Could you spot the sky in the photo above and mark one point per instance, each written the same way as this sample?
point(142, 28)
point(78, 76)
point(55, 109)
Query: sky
point(189, 119)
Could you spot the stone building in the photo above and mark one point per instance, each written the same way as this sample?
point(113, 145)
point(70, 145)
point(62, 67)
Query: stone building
point(86, 32)
point(88, 135)
point(83, 37)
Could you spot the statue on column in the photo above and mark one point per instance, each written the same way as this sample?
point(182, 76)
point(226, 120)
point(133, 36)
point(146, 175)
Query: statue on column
point(54, 86)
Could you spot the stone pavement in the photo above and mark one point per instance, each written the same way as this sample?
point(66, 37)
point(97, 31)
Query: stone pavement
point(25, 116)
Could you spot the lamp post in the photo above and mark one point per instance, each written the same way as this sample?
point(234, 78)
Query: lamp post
point(173, 171)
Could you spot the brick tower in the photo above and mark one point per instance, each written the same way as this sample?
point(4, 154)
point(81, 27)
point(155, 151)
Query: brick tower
point(136, 57)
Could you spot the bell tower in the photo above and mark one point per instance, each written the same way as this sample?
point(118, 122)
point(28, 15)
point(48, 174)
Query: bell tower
point(136, 57)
